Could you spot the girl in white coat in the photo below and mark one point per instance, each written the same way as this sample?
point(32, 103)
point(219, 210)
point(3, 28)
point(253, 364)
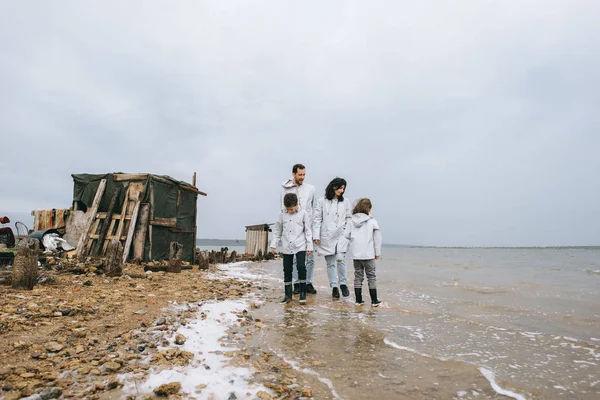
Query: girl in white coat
point(331, 216)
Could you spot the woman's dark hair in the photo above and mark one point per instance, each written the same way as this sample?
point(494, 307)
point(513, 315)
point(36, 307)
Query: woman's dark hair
point(363, 206)
point(333, 186)
point(290, 200)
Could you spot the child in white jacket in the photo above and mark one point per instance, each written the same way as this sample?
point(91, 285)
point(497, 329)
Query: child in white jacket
point(293, 231)
point(365, 248)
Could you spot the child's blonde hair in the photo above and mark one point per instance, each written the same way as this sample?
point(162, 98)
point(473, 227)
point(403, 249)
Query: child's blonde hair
point(363, 206)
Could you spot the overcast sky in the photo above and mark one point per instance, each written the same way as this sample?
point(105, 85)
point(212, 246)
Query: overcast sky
point(466, 122)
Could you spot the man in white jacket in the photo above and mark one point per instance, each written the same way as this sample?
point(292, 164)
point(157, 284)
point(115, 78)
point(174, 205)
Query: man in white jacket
point(306, 201)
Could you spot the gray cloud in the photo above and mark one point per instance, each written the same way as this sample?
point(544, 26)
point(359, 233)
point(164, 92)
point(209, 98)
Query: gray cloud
point(467, 123)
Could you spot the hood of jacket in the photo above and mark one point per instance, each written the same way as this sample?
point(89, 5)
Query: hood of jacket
point(360, 219)
point(288, 184)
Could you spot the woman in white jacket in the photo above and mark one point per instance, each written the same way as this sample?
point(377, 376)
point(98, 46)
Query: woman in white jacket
point(331, 216)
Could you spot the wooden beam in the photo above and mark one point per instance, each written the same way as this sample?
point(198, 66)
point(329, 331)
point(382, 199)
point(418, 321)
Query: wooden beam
point(168, 222)
point(108, 223)
point(130, 177)
point(131, 229)
point(84, 237)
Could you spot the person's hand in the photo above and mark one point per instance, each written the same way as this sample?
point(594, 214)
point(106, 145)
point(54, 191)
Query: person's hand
point(309, 252)
point(377, 257)
point(317, 242)
point(273, 250)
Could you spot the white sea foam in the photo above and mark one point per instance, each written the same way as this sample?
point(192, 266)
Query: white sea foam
point(489, 375)
point(309, 371)
point(209, 366)
point(410, 350)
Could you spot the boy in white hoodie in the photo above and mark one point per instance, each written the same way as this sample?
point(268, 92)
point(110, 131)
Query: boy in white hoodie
point(306, 201)
point(365, 248)
point(293, 231)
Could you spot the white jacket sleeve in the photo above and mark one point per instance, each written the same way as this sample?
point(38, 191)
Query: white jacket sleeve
point(308, 232)
point(317, 220)
point(348, 217)
point(377, 238)
point(277, 230)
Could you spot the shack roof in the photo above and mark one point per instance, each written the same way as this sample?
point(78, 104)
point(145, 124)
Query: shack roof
point(125, 177)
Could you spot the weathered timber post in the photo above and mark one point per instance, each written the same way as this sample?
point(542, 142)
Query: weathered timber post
point(25, 271)
point(175, 257)
point(114, 258)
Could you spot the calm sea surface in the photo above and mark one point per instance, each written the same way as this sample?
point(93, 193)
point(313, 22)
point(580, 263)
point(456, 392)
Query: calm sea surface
point(455, 323)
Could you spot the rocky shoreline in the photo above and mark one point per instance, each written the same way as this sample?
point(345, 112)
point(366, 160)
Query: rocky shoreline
point(86, 336)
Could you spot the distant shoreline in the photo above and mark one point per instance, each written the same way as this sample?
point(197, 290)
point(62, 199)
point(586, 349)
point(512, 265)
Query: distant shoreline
point(234, 242)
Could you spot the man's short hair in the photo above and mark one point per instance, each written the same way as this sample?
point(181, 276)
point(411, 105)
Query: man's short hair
point(296, 167)
point(290, 200)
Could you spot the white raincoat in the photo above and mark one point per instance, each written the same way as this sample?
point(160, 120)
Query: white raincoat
point(305, 193)
point(293, 232)
point(365, 237)
point(329, 225)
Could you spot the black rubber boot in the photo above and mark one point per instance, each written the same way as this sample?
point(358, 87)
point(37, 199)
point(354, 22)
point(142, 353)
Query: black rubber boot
point(374, 301)
point(358, 295)
point(345, 291)
point(310, 288)
point(288, 294)
point(302, 293)
point(335, 293)
point(296, 288)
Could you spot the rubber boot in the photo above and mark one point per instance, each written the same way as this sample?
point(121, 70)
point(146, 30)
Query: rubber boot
point(296, 288)
point(358, 295)
point(310, 288)
point(288, 294)
point(345, 291)
point(335, 293)
point(374, 301)
point(302, 293)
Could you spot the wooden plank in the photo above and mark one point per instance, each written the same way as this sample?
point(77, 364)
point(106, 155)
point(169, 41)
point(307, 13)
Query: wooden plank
point(151, 217)
point(84, 237)
point(141, 230)
point(194, 261)
point(119, 222)
point(168, 222)
point(129, 177)
point(131, 230)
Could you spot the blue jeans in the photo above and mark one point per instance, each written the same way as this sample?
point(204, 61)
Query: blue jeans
point(310, 269)
point(336, 272)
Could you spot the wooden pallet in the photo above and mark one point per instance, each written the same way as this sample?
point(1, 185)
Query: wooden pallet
point(122, 225)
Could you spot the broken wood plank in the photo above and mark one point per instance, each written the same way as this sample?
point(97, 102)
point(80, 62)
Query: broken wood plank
point(175, 257)
point(84, 237)
point(141, 229)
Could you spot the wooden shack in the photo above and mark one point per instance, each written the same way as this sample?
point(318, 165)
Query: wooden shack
point(145, 212)
point(257, 239)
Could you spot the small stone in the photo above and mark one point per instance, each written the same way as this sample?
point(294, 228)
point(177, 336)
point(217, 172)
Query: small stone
point(54, 347)
point(79, 349)
point(232, 396)
point(57, 314)
point(113, 383)
point(168, 389)
point(95, 371)
point(111, 366)
point(27, 375)
point(160, 321)
point(262, 395)
point(307, 392)
point(140, 312)
point(50, 393)
point(180, 339)
point(88, 283)
point(99, 386)
point(200, 387)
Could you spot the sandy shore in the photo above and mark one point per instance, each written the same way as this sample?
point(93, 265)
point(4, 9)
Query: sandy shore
point(93, 337)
